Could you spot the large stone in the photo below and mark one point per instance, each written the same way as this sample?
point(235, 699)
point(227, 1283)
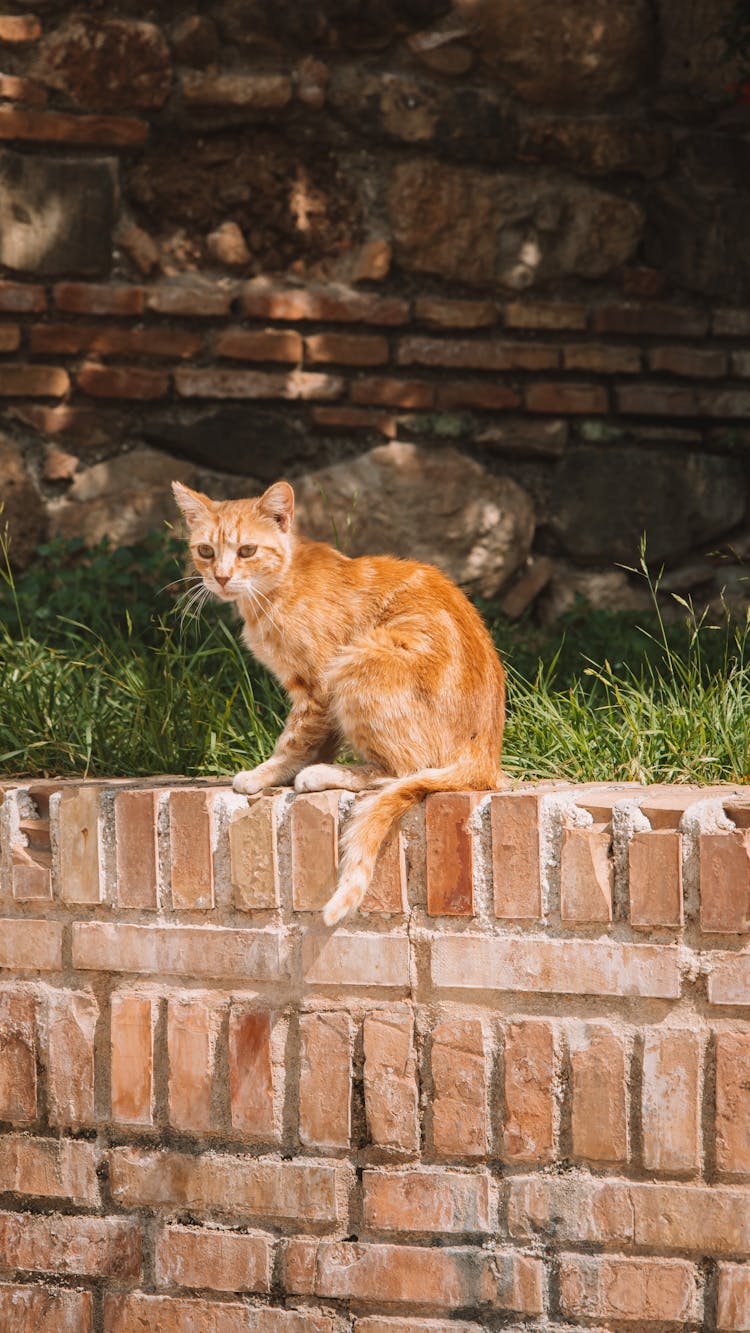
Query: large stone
point(122, 499)
point(244, 441)
point(435, 505)
point(514, 230)
point(108, 64)
point(22, 520)
point(564, 52)
point(690, 233)
point(56, 214)
point(606, 499)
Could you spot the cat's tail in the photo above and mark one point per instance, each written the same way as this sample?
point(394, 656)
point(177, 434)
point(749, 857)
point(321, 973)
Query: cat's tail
point(373, 820)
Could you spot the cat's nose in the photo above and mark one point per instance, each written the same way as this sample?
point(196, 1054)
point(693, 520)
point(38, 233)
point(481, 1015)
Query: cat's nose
point(223, 579)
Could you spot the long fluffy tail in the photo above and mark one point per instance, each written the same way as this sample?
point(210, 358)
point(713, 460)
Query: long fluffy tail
point(372, 822)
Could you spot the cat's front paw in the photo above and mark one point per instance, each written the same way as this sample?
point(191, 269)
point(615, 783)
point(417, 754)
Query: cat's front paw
point(251, 781)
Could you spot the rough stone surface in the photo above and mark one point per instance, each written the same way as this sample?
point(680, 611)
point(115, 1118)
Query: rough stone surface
point(122, 498)
point(475, 526)
point(56, 216)
point(23, 513)
point(108, 65)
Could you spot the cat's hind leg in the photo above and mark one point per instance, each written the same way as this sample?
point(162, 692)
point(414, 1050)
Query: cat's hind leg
point(340, 777)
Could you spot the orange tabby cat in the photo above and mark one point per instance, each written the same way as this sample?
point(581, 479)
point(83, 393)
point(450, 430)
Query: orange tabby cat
point(386, 656)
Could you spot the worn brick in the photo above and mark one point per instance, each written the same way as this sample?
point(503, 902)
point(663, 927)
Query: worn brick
point(93, 298)
point(18, 1036)
point(731, 403)
point(190, 845)
point(390, 1080)
point(459, 1077)
point(71, 1018)
point(225, 1185)
point(325, 1084)
point(22, 297)
point(386, 891)
point(72, 339)
point(356, 960)
point(251, 1072)
point(733, 1102)
point(251, 384)
point(426, 1200)
point(733, 1307)
point(347, 349)
point(597, 360)
point(132, 1054)
point(659, 1290)
point(49, 1169)
point(45, 1310)
point(725, 881)
point(253, 853)
point(514, 821)
point(655, 878)
point(20, 28)
point(137, 1312)
point(219, 1260)
point(414, 1275)
point(84, 1246)
point(193, 1027)
point(254, 345)
point(563, 399)
point(10, 337)
point(599, 1102)
point(184, 297)
point(315, 849)
point(562, 967)
point(651, 319)
point(691, 362)
point(586, 874)
point(185, 951)
point(31, 876)
point(341, 305)
point(136, 854)
point(33, 381)
point(670, 1100)
point(541, 315)
point(386, 1324)
point(35, 126)
point(740, 364)
point(530, 1098)
point(658, 400)
point(260, 91)
point(355, 418)
point(729, 979)
point(479, 394)
point(79, 845)
point(443, 313)
point(393, 393)
point(122, 382)
point(450, 853)
point(31, 945)
point(472, 354)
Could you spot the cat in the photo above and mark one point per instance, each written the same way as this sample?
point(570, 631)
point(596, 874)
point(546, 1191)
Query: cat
point(383, 655)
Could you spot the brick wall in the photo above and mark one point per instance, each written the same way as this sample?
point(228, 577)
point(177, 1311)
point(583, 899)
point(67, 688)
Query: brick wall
point(512, 1092)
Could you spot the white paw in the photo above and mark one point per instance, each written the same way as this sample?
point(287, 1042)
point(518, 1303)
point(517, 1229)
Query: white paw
point(317, 777)
point(250, 782)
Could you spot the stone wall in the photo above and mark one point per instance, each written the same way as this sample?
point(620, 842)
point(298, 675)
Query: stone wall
point(261, 238)
point(513, 1092)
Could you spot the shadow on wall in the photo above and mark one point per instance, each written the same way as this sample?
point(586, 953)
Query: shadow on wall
point(56, 214)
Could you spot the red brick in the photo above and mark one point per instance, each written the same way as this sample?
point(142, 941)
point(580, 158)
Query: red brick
point(31, 945)
point(183, 951)
point(659, 1290)
point(475, 393)
point(45, 1310)
point(201, 299)
point(393, 393)
point(132, 1044)
point(558, 967)
point(459, 1077)
point(219, 1260)
point(253, 851)
point(450, 853)
point(21, 297)
point(516, 875)
point(49, 1169)
point(251, 1075)
point(656, 319)
point(70, 339)
point(586, 874)
point(33, 381)
point(530, 1099)
point(670, 1100)
point(426, 1200)
point(79, 845)
point(343, 305)
point(57, 127)
point(470, 354)
point(599, 1102)
point(190, 844)
point(20, 28)
point(228, 1185)
point(270, 345)
point(355, 418)
point(136, 855)
point(347, 349)
point(447, 314)
point(538, 315)
point(561, 399)
point(385, 1324)
point(10, 337)
point(733, 1312)
point(386, 891)
point(193, 1026)
point(91, 298)
point(733, 1102)
point(725, 881)
point(731, 403)
point(415, 1275)
point(17, 1055)
point(658, 400)
point(390, 1080)
point(85, 1246)
point(597, 360)
point(692, 362)
point(295, 384)
point(31, 876)
point(170, 1314)
point(122, 382)
point(655, 878)
point(315, 851)
point(325, 1084)
point(729, 979)
point(260, 91)
point(30, 91)
point(71, 1019)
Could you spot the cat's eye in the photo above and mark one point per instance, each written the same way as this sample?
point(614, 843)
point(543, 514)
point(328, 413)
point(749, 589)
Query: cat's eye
point(246, 551)
point(205, 551)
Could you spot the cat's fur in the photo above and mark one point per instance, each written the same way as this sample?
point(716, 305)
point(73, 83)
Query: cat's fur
point(383, 655)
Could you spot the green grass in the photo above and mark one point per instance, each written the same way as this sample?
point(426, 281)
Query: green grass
point(100, 676)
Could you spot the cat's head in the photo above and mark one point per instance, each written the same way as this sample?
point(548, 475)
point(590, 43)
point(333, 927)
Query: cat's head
point(238, 545)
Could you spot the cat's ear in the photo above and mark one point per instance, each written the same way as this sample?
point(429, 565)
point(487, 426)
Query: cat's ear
point(194, 505)
point(278, 503)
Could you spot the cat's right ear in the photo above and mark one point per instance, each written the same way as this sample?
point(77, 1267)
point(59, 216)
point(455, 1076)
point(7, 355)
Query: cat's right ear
point(194, 505)
point(278, 503)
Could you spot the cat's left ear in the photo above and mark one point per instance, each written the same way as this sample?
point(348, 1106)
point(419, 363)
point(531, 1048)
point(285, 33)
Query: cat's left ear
point(194, 505)
point(278, 503)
